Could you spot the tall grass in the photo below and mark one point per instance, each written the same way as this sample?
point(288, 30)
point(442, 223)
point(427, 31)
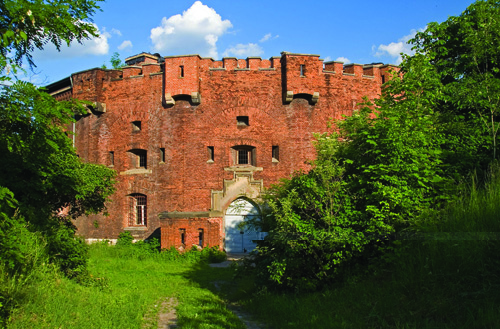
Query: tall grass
point(447, 275)
point(125, 290)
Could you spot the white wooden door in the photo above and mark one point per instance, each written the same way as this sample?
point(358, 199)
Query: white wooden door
point(238, 238)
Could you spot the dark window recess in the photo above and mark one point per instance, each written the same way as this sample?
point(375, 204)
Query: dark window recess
point(136, 126)
point(276, 153)
point(302, 70)
point(181, 71)
point(242, 121)
point(200, 237)
point(383, 79)
point(139, 158)
point(244, 155)
point(210, 150)
point(138, 210)
point(162, 154)
point(111, 158)
point(182, 232)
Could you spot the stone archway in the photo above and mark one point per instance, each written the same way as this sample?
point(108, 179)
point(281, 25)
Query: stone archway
point(240, 238)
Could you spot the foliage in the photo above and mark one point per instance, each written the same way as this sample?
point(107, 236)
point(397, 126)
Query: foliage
point(115, 61)
point(464, 52)
point(392, 161)
point(26, 25)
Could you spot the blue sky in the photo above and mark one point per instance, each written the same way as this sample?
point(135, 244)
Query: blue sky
point(356, 31)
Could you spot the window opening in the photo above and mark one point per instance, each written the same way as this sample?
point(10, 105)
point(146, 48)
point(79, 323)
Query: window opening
point(181, 71)
point(200, 237)
point(182, 231)
point(136, 126)
point(276, 153)
point(243, 155)
point(383, 79)
point(111, 158)
point(138, 210)
point(242, 121)
point(210, 150)
point(302, 70)
point(162, 154)
point(139, 158)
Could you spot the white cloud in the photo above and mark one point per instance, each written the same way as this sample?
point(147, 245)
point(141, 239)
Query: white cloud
point(125, 44)
point(117, 32)
point(394, 49)
point(268, 36)
point(343, 59)
point(242, 51)
point(195, 31)
point(91, 47)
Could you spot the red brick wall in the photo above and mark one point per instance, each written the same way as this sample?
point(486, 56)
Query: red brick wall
point(228, 88)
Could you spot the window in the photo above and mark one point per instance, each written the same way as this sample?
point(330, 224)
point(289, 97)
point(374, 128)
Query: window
point(139, 158)
point(111, 158)
point(302, 70)
point(200, 237)
point(276, 153)
point(383, 79)
point(210, 150)
point(242, 121)
point(243, 155)
point(138, 214)
point(182, 232)
point(136, 126)
point(162, 155)
point(181, 71)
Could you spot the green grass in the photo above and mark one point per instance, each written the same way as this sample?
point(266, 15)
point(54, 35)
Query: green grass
point(448, 276)
point(126, 288)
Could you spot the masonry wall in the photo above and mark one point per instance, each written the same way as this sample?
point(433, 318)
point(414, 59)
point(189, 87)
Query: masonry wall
point(176, 131)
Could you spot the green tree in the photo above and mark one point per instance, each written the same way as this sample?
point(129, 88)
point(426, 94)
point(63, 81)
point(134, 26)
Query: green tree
point(393, 160)
point(464, 51)
point(26, 25)
point(40, 173)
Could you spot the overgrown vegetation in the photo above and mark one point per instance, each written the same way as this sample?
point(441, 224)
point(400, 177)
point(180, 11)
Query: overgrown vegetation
point(393, 161)
point(43, 184)
point(125, 289)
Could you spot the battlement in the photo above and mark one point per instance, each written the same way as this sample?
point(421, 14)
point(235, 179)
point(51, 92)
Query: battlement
point(187, 76)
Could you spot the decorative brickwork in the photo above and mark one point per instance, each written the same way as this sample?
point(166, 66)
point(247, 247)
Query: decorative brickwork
point(193, 119)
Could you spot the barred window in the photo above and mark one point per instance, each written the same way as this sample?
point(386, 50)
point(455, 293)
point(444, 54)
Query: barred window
point(243, 155)
point(139, 158)
point(138, 213)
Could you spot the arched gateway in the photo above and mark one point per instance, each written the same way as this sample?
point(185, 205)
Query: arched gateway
point(240, 238)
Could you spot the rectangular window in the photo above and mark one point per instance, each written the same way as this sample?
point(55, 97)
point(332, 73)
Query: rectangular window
point(136, 126)
point(243, 157)
point(200, 237)
point(162, 155)
point(181, 71)
point(111, 158)
point(210, 150)
point(143, 160)
point(276, 153)
point(138, 209)
point(242, 121)
point(182, 232)
point(302, 70)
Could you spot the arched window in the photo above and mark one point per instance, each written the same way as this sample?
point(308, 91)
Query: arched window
point(244, 155)
point(138, 212)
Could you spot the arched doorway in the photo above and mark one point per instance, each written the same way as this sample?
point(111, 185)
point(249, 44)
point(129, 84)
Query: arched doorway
point(240, 238)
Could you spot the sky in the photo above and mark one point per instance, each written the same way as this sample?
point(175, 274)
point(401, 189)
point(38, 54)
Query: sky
point(356, 31)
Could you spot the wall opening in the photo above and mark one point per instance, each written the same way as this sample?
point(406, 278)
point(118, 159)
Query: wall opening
point(138, 206)
point(244, 155)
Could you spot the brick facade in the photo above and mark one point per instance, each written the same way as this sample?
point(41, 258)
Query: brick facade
point(174, 128)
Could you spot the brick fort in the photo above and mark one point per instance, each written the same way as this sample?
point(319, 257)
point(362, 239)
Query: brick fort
point(195, 141)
